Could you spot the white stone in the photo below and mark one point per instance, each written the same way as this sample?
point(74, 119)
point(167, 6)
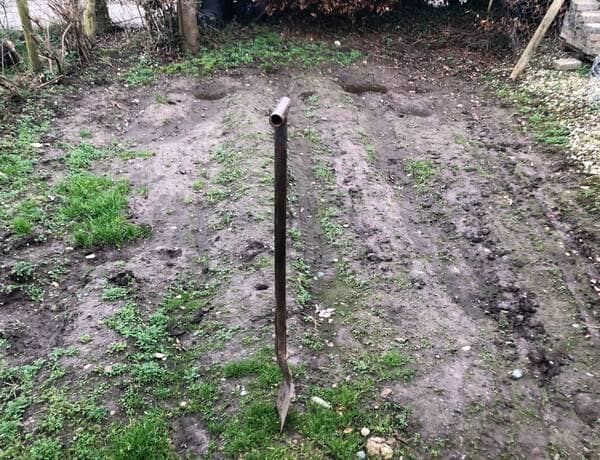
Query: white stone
point(567, 64)
point(321, 402)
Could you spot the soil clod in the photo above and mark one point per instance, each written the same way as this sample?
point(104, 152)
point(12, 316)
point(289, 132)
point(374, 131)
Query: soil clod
point(359, 84)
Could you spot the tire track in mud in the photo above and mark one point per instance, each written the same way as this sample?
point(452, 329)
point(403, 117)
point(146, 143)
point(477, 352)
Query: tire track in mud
point(462, 253)
point(489, 261)
point(317, 337)
point(394, 239)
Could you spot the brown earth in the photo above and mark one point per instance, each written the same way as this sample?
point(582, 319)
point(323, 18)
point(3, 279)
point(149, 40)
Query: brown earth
point(481, 268)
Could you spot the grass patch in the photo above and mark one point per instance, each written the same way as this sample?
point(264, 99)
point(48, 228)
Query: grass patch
point(589, 195)
point(421, 172)
point(114, 293)
point(332, 231)
point(95, 209)
point(255, 427)
point(21, 191)
point(368, 146)
point(540, 119)
point(328, 428)
point(267, 50)
point(261, 366)
point(142, 74)
point(143, 439)
point(82, 156)
point(301, 282)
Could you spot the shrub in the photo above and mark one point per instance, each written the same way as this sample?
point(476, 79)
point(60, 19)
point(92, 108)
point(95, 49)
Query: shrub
point(338, 7)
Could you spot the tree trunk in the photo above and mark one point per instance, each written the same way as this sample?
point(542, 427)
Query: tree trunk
point(103, 22)
point(32, 49)
point(89, 19)
point(188, 25)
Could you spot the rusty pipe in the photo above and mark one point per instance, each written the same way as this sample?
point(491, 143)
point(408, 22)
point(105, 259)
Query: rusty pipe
point(278, 120)
point(279, 116)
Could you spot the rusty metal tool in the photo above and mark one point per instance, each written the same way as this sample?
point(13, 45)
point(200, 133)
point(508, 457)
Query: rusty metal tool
point(278, 120)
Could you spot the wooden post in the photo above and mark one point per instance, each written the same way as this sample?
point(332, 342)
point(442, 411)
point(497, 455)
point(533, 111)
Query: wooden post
point(32, 48)
point(188, 25)
point(537, 38)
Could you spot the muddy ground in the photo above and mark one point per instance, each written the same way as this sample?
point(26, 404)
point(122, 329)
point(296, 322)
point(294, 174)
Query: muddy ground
point(423, 222)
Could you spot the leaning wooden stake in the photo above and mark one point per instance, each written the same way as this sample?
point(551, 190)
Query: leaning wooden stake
point(537, 38)
point(32, 48)
point(278, 120)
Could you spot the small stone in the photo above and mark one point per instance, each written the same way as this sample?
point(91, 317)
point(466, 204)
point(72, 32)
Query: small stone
point(361, 454)
point(379, 448)
point(365, 432)
point(466, 348)
point(386, 392)
point(321, 402)
point(90, 256)
point(387, 452)
point(567, 64)
point(108, 369)
point(36, 145)
point(183, 404)
point(348, 430)
point(159, 356)
point(516, 374)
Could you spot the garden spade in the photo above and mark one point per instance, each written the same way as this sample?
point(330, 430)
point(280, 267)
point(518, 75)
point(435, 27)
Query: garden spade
point(278, 120)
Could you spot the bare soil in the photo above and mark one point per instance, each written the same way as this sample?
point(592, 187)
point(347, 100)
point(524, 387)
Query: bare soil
point(480, 264)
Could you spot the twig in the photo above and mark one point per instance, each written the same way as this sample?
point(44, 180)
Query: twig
point(63, 50)
point(49, 82)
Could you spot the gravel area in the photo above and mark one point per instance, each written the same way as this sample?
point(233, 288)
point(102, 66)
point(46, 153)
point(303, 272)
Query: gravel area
point(575, 100)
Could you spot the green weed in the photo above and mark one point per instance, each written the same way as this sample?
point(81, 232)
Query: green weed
point(141, 75)
point(332, 231)
point(368, 146)
point(95, 209)
point(312, 341)
point(22, 271)
point(113, 293)
point(266, 50)
point(302, 282)
point(421, 171)
point(21, 226)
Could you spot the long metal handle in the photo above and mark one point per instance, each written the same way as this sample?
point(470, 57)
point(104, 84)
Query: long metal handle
point(278, 120)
